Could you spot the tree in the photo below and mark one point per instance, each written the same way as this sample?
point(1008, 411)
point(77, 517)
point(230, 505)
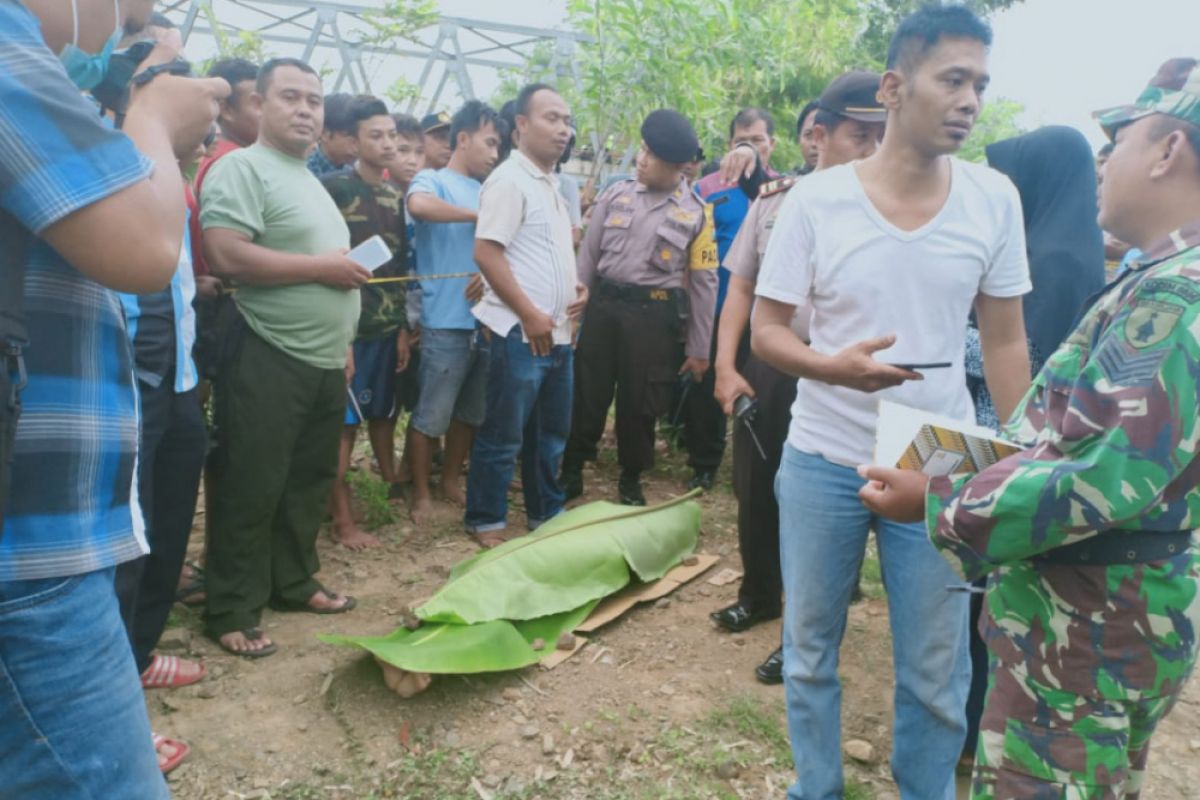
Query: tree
point(707, 58)
point(997, 121)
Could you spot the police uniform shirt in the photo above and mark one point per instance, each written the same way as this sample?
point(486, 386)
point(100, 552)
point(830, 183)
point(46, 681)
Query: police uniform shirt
point(656, 240)
point(746, 253)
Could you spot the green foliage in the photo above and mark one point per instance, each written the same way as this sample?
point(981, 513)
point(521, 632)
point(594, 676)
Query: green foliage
point(998, 121)
point(401, 91)
point(707, 58)
point(372, 492)
point(398, 20)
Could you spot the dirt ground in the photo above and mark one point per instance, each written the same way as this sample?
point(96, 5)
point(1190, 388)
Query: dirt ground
point(658, 705)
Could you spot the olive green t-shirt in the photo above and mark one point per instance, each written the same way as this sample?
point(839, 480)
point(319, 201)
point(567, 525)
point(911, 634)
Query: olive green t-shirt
point(273, 198)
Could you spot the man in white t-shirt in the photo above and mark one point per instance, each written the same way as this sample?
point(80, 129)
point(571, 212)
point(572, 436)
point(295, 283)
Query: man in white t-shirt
point(892, 253)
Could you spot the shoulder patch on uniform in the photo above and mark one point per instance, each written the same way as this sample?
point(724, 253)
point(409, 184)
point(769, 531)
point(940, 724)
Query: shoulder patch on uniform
point(778, 185)
point(1150, 322)
point(1180, 287)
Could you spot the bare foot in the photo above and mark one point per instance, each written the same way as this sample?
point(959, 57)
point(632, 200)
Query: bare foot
point(353, 537)
point(452, 492)
point(328, 601)
point(422, 509)
point(490, 539)
point(238, 642)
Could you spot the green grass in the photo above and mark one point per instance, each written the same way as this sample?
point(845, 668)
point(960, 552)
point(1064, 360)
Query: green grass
point(373, 494)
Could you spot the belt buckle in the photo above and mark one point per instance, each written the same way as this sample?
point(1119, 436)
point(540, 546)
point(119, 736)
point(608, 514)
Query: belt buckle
point(659, 294)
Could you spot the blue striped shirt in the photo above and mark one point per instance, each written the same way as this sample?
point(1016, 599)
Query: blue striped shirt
point(73, 505)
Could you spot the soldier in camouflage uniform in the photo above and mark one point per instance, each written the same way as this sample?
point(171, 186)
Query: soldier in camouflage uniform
point(1092, 603)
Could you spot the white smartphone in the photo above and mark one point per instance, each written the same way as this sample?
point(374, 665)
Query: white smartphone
point(371, 254)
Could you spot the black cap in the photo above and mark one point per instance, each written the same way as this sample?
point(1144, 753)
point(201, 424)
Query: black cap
point(431, 122)
point(854, 95)
point(670, 136)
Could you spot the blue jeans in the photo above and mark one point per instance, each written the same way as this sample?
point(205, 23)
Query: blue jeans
point(822, 538)
point(528, 412)
point(453, 381)
point(74, 723)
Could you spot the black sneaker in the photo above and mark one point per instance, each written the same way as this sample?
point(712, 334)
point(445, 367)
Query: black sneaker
point(629, 490)
point(702, 479)
point(770, 671)
point(571, 480)
point(737, 617)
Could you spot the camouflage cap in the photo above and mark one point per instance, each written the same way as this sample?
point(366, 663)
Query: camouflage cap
point(1174, 91)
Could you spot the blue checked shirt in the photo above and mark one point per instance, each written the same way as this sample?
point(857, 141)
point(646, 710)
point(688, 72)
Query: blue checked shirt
point(73, 506)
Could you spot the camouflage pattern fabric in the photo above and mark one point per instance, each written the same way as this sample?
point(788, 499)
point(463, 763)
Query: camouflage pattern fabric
point(370, 210)
point(1087, 659)
point(1174, 90)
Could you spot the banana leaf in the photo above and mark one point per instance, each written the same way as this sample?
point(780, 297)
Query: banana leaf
point(576, 558)
point(446, 648)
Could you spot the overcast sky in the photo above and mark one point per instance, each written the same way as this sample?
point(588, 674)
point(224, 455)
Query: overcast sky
point(1062, 59)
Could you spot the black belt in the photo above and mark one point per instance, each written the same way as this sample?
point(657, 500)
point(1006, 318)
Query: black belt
point(1120, 547)
point(639, 294)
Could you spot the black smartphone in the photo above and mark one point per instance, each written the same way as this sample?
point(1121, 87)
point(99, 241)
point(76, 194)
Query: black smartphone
point(919, 367)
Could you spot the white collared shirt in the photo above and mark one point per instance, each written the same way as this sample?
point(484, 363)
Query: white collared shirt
point(521, 209)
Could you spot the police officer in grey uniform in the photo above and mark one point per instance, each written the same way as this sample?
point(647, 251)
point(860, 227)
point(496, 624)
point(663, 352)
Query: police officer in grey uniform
point(649, 260)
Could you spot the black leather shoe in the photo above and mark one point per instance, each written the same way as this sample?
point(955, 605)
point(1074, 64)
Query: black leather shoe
point(770, 671)
point(702, 479)
point(737, 618)
point(571, 480)
point(629, 490)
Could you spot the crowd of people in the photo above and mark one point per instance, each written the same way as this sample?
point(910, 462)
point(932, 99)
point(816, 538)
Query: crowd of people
point(162, 332)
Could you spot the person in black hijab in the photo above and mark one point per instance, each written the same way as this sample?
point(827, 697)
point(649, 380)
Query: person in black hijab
point(1054, 173)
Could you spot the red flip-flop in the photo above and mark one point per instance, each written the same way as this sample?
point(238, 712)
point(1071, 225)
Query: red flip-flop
point(181, 751)
point(165, 672)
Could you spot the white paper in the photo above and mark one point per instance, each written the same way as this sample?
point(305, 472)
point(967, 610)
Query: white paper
point(898, 425)
point(371, 254)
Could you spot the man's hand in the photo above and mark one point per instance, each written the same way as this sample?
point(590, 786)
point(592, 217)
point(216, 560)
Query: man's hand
point(208, 286)
point(696, 367)
point(895, 494)
point(539, 330)
point(856, 368)
point(414, 338)
point(185, 107)
point(575, 309)
point(349, 365)
point(339, 272)
point(738, 163)
point(403, 351)
point(730, 385)
point(474, 290)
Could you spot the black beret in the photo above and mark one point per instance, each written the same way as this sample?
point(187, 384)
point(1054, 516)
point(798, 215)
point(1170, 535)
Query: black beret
point(670, 136)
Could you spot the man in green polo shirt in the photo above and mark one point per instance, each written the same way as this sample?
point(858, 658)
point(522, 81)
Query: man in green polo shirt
point(271, 229)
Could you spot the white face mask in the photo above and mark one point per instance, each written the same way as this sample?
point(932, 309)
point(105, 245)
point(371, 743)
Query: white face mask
point(86, 70)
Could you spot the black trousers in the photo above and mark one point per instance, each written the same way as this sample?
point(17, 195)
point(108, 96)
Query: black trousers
point(754, 484)
point(630, 348)
point(703, 418)
point(170, 459)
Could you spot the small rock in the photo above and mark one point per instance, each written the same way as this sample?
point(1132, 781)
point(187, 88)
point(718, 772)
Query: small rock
point(302, 727)
point(740, 641)
point(662, 602)
point(451, 739)
point(666, 689)
point(300, 698)
point(549, 775)
point(512, 694)
point(690, 561)
point(567, 758)
point(860, 751)
point(361, 574)
point(408, 619)
point(206, 691)
point(538, 644)
point(607, 660)
point(565, 642)
point(216, 671)
point(547, 745)
point(175, 640)
point(491, 780)
point(530, 731)
point(727, 770)
point(1194, 744)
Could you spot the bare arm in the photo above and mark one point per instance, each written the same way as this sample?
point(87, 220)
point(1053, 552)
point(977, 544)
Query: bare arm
point(735, 316)
point(232, 255)
point(429, 207)
point(774, 341)
point(130, 241)
point(1005, 350)
point(493, 263)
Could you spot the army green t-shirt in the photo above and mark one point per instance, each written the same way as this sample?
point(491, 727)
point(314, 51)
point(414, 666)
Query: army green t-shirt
point(273, 198)
point(375, 211)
